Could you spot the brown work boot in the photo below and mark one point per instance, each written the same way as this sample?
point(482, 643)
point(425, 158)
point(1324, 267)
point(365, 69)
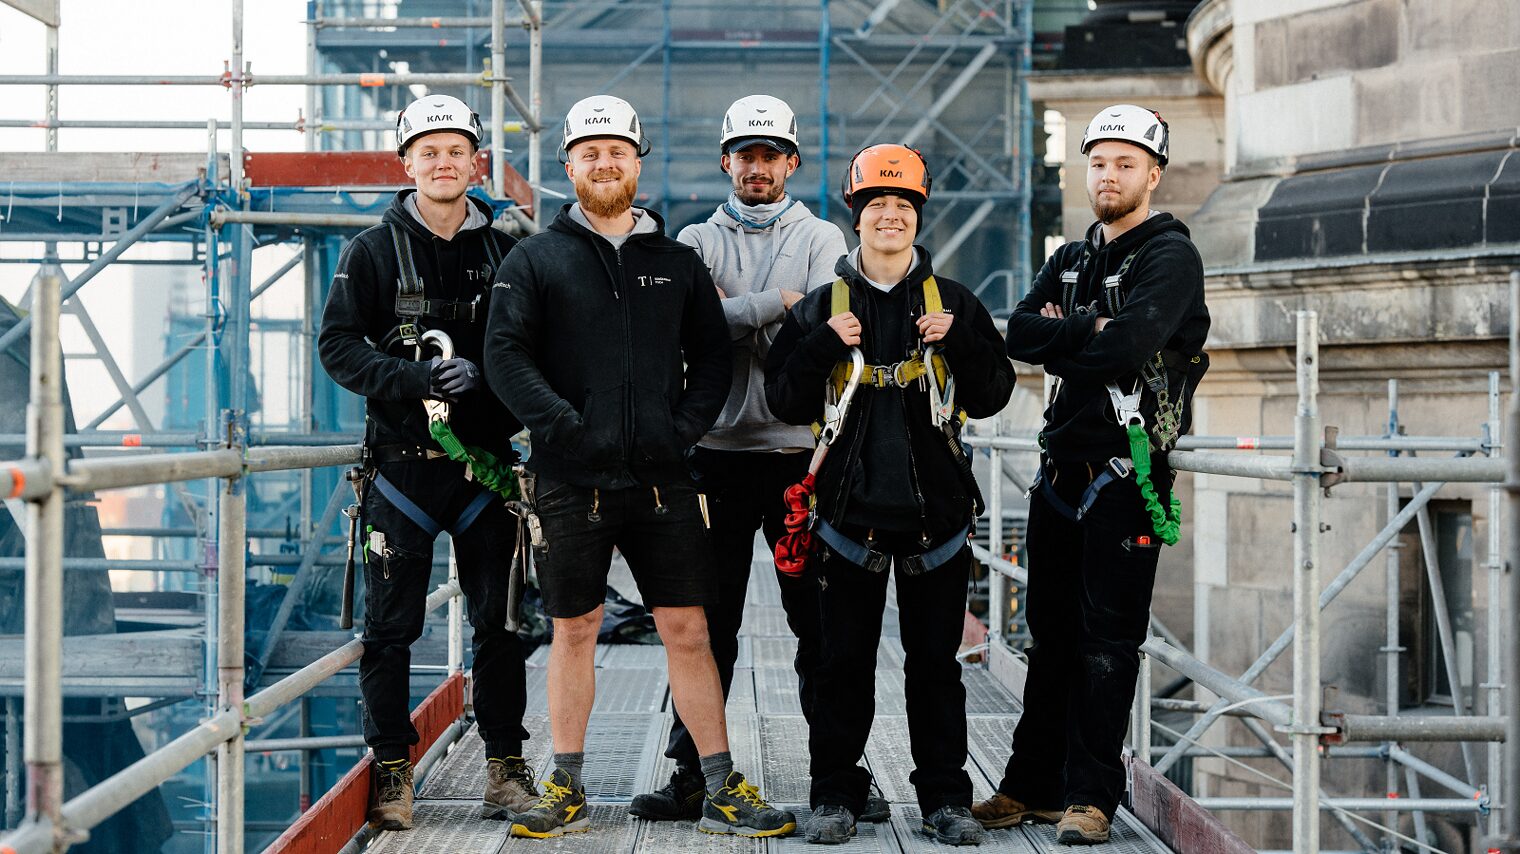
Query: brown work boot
point(1082, 825)
point(511, 788)
point(391, 795)
point(1003, 811)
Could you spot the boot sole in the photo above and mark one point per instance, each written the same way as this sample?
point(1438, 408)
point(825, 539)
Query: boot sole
point(1078, 837)
point(391, 824)
point(958, 840)
point(831, 840)
point(718, 828)
point(1026, 817)
point(649, 814)
point(500, 812)
point(577, 826)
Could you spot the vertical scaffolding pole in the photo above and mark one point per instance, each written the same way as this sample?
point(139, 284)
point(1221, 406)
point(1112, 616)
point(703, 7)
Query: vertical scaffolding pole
point(997, 586)
point(13, 772)
point(1307, 496)
point(309, 132)
point(1391, 648)
point(212, 274)
point(50, 107)
point(43, 735)
point(665, 144)
point(235, 173)
point(1496, 626)
point(825, 36)
point(231, 540)
point(1023, 162)
point(1511, 840)
point(536, 104)
point(498, 97)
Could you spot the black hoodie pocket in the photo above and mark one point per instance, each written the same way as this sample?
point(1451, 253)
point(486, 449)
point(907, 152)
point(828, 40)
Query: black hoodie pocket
point(654, 432)
point(600, 443)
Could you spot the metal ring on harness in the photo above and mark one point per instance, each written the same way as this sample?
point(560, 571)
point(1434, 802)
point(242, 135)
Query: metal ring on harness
point(834, 413)
point(437, 410)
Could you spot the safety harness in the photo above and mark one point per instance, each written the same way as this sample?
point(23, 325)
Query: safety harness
point(1162, 434)
point(412, 304)
point(929, 369)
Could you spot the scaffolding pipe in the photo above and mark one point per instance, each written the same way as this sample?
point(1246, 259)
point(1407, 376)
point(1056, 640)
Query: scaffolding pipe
point(1510, 840)
point(142, 384)
point(314, 742)
point(134, 440)
point(1349, 804)
point(1391, 649)
point(1307, 496)
point(227, 80)
point(1495, 680)
point(534, 10)
point(498, 97)
point(43, 735)
point(220, 218)
point(1378, 444)
point(127, 239)
point(1453, 470)
point(230, 589)
point(1284, 640)
point(1250, 700)
point(439, 23)
point(1436, 775)
point(1444, 631)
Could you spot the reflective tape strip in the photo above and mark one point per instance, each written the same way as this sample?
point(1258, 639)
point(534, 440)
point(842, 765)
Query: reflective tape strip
point(1247, 443)
point(371, 79)
point(132, 440)
point(18, 485)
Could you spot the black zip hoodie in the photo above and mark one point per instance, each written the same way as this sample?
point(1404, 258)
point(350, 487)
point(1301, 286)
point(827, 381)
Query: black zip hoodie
point(361, 314)
point(1163, 309)
point(617, 361)
point(890, 469)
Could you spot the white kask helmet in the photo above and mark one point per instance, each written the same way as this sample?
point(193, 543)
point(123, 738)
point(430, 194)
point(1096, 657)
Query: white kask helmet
point(759, 118)
point(604, 116)
point(1132, 124)
point(436, 113)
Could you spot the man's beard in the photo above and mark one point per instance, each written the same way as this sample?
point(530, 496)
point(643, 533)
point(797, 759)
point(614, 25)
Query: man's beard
point(763, 195)
point(1114, 209)
point(605, 200)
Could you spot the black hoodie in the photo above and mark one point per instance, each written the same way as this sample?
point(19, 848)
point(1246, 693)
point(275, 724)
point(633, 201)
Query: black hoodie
point(617, 360)
point(890, 469)
point(1163, 309)
point(361, 314)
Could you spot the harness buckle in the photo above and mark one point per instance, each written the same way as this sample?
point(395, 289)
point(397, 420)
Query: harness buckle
point(1120, 466)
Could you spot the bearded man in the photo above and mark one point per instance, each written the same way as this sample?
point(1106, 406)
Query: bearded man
point(606, 339)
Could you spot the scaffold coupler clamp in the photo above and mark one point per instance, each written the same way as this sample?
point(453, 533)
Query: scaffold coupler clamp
point(437, 410)
point(834, 413)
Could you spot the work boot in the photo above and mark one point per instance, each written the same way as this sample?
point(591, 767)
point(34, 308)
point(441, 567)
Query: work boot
point(1082, 825)
point(831, 824)
point(560, 809)
point(391, 795)
point(679, 800)
point(738, 809)
point(511, 788)
point(954, 826)
point(1003, 811)
point(877, 810)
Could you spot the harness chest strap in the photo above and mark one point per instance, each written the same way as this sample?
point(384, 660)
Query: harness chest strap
point(900, 374)
point(412, 303)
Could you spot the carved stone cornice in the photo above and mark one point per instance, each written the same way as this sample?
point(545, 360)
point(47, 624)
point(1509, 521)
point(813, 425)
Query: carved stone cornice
point(1211, 44)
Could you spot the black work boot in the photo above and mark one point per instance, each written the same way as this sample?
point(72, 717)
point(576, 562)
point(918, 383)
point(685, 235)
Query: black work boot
point(678, 800)
point(954, 826)
point(831, 824)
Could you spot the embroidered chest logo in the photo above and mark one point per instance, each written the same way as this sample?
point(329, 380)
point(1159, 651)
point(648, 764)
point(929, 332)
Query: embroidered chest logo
point(646, 281)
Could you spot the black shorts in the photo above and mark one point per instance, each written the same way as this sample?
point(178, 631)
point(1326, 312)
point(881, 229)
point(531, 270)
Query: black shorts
point(659, 530)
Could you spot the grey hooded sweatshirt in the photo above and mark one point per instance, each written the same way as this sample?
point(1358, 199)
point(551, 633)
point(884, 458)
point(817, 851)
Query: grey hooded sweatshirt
point(752, 265)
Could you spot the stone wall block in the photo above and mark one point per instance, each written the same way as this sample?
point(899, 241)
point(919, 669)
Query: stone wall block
point(1490, 83)
point(1408, 101)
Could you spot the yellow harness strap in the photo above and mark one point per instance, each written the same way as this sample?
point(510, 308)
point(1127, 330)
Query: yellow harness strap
point(889, 376)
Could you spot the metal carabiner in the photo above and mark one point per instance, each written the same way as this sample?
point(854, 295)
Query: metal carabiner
point(941, 400)
point(834, 413)
point(437, 410)
point(1126, 406)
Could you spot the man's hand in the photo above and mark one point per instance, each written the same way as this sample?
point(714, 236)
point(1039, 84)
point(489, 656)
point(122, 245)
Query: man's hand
point(1052, 310)
point(1100, 323)
point(451, 378)
point(721, 295)
point(933, 327)
point(847, 327)
point(790, 298)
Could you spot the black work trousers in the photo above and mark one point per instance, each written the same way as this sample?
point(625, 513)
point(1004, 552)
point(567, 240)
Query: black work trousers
point(396, 588)
point(744, 494)
point(932, 615)
point(1089, 602)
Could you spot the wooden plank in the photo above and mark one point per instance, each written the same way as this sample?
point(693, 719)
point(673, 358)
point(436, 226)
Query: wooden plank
point(109, 166)
point(358, 169)
point(172, 653)
point(1177, 819)
point(339, 814)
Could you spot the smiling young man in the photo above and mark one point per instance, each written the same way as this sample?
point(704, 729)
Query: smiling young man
point(428, 266)
point(606, 338)
point(765, 250)
point(896, 489)
point(1119, 318)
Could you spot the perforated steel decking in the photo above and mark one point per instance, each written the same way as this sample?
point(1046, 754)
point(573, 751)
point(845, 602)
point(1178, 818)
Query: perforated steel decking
point(768, 737)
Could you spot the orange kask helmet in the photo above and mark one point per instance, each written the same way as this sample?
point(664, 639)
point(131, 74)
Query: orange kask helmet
point(887, 169)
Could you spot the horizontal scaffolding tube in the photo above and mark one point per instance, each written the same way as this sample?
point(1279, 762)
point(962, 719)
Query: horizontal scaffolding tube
point(128, 439)
point(1352, 804)
point(1409, 760)
point(412, 23)
point(1413, 728)
point(225, 80)
point(313, 742)
point(1271, 443)
point(144, 469)
point(223, 217)
point(1233, 465)
point(1451, 469)
point(1252, 700)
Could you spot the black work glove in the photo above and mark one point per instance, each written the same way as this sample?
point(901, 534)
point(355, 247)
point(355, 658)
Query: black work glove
point(451, 378)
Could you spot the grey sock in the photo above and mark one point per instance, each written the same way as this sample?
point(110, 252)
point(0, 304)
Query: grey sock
point(572, 764)
point(716, 769)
